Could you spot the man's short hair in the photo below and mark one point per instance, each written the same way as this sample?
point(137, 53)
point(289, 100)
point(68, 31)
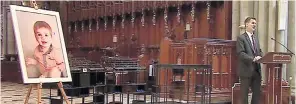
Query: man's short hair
point(248, 19)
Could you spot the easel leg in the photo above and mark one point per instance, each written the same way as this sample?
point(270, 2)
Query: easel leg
point(39, 86)
point(28, 94)
point(60, 85)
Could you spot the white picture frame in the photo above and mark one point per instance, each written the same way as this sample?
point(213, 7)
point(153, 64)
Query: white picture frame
point(54, 64)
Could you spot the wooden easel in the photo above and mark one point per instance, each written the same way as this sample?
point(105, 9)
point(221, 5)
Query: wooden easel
point(39, 87)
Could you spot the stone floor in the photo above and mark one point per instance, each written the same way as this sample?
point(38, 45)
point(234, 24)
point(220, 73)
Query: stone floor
point(13, 93)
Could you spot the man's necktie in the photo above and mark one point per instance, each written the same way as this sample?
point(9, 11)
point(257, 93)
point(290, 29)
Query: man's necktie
point(254, 44)
point(255, 53)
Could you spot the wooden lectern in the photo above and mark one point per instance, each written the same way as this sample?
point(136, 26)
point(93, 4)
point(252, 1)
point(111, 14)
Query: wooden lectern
point(274, 62)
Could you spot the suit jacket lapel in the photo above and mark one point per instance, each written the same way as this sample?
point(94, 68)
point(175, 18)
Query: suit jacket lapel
point(249, 41)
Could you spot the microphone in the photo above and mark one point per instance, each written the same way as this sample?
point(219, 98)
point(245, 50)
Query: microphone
point(282, 45)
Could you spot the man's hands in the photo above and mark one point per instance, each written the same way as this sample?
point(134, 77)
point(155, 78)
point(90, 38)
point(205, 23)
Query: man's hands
point(257, 58)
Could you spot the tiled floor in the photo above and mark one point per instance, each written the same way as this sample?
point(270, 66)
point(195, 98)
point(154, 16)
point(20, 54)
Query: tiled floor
point(13, 93)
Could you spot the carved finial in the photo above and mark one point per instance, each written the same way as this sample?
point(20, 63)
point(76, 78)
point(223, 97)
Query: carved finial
point(34, 4)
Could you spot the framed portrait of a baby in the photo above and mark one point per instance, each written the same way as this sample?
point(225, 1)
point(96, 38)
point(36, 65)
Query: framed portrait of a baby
point(40, 43)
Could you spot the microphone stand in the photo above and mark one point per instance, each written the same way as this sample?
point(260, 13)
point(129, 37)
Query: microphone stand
point(283, 46)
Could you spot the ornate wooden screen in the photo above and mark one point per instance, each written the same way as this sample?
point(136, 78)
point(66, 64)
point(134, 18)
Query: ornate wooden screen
point(218, 53)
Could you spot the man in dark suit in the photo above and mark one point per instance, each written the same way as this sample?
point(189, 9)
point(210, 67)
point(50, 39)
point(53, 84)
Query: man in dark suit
point(249, 71)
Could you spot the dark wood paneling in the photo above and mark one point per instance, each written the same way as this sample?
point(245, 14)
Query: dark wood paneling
point(150, 35)
point(203, 22)
point(212, 52)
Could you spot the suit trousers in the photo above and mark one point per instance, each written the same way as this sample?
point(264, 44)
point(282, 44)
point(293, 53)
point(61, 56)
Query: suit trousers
point(255, 83)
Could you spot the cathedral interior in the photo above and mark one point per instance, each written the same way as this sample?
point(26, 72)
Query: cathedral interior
point(143, 52)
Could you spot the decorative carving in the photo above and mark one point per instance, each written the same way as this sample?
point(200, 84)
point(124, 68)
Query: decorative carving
point(106, 8)
point(154, 17)
point(199, 49)
point(69, 28)
point(92, 4)
point(82, 25)
point(106, 20)
point(122, 16)
point(118, 2)
point(133, 38)
point(179, 14)
point(179, 59)
point(75, 26)
point(193, 11)
point(89, 24)
point(208, 10)
point(114, 21)
point(114, 39)
point(143, 49)
point(216, 50)
point(133, 16)
point(34, 4)
point(207, 50)
point(154, 14)
point(166, 21)
point(98, 24)
point(122, 21)
point(143, 17)
point(209, 55)
point(133, 19)
point(190, 53)
point(225, 50)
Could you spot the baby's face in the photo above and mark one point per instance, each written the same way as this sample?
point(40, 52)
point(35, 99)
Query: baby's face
point(43, 37)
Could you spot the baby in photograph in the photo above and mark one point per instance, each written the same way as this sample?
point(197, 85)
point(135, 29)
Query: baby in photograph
point(48, 59)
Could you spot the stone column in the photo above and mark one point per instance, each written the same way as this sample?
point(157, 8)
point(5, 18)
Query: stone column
point(291, 44)
point(262, 22)
point(4, 16)
point(281, 35)
point(244, 12)
point(11, 43)
point(235, 19)
point(1, 28)
point(256, 9)
point(271, 25)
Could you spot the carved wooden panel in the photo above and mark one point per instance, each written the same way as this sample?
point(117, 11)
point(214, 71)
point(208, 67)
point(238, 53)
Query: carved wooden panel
point(71, 10)
point(117, 7)
point(207, 51)
point(203, 24)
point(199, 28)
point(100, 8)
